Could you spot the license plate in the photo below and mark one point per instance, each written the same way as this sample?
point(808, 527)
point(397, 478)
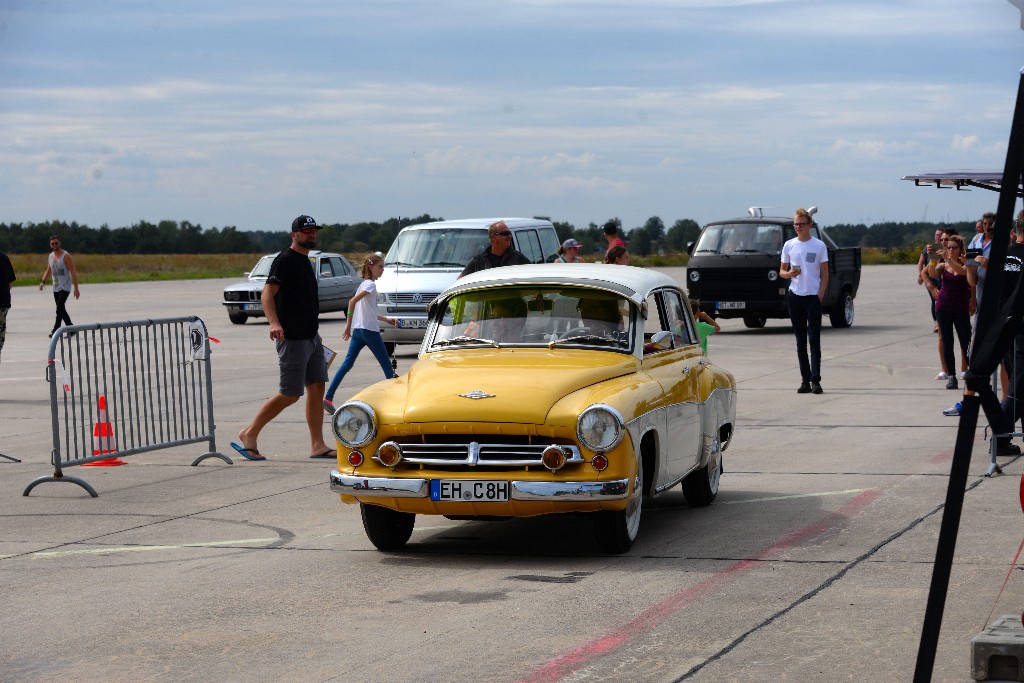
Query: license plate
point(411, 323)
point(469, 490)
point(252, 307)
point(731, 305)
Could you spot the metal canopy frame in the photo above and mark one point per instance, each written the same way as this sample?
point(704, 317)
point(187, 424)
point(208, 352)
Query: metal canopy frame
point(962, 180)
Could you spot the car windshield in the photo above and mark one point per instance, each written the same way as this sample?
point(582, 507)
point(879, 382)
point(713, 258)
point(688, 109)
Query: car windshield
point(741, 238)
point(532, 316)
point(262, 267)
point(428, 248)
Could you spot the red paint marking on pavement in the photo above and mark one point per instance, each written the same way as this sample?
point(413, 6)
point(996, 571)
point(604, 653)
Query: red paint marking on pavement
point(653, 616)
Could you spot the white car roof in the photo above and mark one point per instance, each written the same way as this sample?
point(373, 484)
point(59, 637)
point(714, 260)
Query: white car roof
point(479, 223)
point(629, 281)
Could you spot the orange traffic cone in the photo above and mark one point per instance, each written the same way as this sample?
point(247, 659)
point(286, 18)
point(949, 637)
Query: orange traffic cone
point(103, 438)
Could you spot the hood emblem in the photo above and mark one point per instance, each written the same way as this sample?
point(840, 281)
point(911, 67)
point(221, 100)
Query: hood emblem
point(477, 394)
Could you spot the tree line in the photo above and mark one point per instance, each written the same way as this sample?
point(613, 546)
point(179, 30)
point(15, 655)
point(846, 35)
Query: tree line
point(172, 237)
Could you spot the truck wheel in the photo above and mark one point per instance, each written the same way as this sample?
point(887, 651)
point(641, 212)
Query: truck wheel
point(754, 322)
point(841, 313)
point(386, 528)
point(237, 318)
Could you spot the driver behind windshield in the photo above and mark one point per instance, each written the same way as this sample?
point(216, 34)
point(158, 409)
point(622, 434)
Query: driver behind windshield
point(600, 316)
point(504, 322)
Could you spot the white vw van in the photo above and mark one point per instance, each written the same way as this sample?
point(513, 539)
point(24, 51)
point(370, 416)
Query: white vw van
point(426, 258)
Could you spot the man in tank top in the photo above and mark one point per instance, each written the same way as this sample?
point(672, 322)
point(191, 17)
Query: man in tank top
point(65, 280)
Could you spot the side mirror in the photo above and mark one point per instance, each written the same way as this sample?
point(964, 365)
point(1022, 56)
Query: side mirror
point(689, 247)
point(662, 340)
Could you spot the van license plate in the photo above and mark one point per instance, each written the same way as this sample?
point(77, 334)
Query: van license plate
point(411, 323)
point(731, 305)
point(469, 490)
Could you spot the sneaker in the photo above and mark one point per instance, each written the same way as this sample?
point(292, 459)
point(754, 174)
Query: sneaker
point(942, 376)
point(951, 383)
point(816, 388)
point(329, 406)
point(805, 388)
point(953, 410)
point(1007, 449)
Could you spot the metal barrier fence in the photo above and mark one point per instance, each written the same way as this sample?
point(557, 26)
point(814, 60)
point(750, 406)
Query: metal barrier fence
point(122, 388)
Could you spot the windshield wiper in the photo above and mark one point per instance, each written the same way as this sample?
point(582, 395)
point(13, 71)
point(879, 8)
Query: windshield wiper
point(465, 340)
point(588, 338)
point(444, 263)
point(751, 251)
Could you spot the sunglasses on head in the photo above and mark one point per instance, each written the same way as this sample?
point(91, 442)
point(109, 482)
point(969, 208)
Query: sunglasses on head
point(502, 233)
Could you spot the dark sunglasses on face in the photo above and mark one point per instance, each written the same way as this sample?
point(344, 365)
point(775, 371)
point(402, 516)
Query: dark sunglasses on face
point(308, 231)
point(502, 233)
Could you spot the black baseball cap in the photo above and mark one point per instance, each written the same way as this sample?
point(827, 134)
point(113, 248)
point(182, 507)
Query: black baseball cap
point(304, 223)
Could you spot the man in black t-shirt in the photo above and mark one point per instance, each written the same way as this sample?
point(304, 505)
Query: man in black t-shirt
point(7, 278)
point(1013, 406)
point(292, 307)
point(498, 253)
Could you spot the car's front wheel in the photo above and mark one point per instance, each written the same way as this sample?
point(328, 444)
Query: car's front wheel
point(701, 486)
point(387, 529)
point(237, 318)
point(617, 529)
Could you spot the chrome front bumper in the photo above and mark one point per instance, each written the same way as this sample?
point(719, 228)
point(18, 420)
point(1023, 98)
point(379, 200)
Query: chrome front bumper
point(390, 487)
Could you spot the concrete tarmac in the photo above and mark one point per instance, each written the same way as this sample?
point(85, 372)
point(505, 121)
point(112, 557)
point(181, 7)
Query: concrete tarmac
point(812, 565)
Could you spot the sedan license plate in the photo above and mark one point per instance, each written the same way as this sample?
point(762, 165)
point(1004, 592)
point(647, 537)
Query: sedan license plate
point(731, 305)
point(469, 490)
point(411, 323)
point(252, 307)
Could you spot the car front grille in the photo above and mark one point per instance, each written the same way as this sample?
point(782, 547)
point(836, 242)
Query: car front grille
point(723, 284)
point(472, 453)
point(413, 299)
point(242, 296)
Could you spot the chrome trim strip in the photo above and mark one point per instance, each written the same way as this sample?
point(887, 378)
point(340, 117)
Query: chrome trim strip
point(380, 487)
point(570, 490)
point(389, 487)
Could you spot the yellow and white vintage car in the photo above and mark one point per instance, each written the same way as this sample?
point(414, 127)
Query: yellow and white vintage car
point(541, 389)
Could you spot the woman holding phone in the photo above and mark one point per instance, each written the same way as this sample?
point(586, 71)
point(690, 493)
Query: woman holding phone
point(953, 302)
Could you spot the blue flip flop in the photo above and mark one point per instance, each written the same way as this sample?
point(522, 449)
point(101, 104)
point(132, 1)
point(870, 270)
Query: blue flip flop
point(247, 453)
point(329, 453)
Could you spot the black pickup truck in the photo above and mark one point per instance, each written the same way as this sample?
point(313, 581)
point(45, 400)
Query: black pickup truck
point(734, 270)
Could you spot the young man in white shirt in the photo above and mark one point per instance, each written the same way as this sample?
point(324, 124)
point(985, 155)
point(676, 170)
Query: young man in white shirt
point(805, 265)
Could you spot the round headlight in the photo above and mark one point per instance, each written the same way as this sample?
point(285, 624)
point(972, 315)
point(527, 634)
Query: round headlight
point(600, 428)
point(354, 424)
point(694, 275)
point(772, 276)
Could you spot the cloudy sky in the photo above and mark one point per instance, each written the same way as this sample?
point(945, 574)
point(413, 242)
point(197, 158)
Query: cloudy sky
point(247, 113)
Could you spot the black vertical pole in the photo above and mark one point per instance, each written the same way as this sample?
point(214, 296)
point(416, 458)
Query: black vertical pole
point(988, 352)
